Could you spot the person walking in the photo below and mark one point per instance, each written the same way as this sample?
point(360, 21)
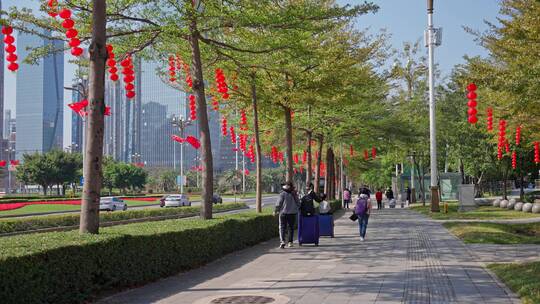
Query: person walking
point(389, 194)
point(379, 197)
point(365, 190)
point(346, 198)
point(307, 206)
point(287, 207)
point(363, 210)
point(409, 195)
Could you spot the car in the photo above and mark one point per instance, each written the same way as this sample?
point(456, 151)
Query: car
point(112, 203)
point(177, 200)
point(216, 199)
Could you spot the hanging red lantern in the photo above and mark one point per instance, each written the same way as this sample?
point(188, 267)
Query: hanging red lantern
point(514, 160)
point(507, 146)
point(518, 135)
point(194, 142)
point(499, 153)
point(304, 157)
point(243, 120)
point(295, 158)
point(490, 119)
point(351, 150)
point(373, 152)
point(502, 138)
point(536, 152)
point(366, 155)
point(65, 13)
point(472, 112)
point(221, 83)
point(68, 23)
point(3, 163)
point(215, 103)
point(72, 33)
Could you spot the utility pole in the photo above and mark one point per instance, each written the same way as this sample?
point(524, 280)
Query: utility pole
point(432, 37)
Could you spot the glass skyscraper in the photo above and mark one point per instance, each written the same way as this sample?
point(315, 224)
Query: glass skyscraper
point(40, 98)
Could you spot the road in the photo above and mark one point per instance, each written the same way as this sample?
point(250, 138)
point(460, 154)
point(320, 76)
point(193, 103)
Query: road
point(266, 201)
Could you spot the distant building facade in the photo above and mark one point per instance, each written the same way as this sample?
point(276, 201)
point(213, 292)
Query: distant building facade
point(40, 98)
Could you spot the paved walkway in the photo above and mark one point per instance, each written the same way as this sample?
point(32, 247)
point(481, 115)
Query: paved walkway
point(406, 259)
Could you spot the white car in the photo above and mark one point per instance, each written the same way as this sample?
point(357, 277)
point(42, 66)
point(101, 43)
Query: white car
point(177, 200)
point(112, 204)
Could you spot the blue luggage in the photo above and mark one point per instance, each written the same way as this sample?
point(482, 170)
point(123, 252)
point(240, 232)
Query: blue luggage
point(308, 230)
point(326, 225)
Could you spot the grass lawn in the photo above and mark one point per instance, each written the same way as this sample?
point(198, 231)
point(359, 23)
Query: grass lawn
point(30, 209)
point(523, 279)
point(481, 213)
point(491, 233)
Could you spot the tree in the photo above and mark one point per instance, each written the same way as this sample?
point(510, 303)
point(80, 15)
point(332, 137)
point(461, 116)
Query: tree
point(35, 169)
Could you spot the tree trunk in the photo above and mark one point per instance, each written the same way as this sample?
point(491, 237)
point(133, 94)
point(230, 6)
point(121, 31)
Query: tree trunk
point(44, 189)
point(89, 222)
point(204, 129)
point(462, 171)
point(329, 180)
point(337, 176)
point(288, 143)
point(258, 156)
point(309, 170)
point(318, 165)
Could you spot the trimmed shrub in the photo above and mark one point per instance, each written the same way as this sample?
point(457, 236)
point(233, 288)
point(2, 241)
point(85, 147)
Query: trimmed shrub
point(65, 267)
point(42, 222)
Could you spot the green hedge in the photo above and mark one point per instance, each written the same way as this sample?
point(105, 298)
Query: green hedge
point(24, 199)
point(65, 267)
point(42, 222)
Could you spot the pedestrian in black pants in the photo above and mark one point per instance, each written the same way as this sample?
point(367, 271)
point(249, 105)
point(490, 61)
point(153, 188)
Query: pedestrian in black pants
point(287, 207)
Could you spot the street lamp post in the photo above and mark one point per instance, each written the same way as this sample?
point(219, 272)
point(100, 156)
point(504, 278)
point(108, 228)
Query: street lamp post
point(413, 189)
point(181, 123)
point(9, 151)
point(432, 39)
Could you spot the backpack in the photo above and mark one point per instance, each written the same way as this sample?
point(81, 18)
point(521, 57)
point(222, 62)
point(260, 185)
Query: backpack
point(306, 206)
point(361, 206)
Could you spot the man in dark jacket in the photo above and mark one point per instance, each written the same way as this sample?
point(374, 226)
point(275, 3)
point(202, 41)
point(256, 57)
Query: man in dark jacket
point(287, 208)
point(307, 208)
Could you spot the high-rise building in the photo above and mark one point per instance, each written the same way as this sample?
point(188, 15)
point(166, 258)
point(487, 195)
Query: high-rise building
point(40, 98)
point(77, 123)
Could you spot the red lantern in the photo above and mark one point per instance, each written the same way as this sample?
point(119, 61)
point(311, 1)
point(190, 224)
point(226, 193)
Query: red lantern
point(304, 157)
point(172, 69)
point(7, 30)
point(518, 135)
point(194, 142)
point(472, 103)
point(72, 33)
point(502, 138)
point(536, 152)
point(9, 39)
point(295, 158)
point(68, 23)
point(112, 64)
point(76, 51)
point(3, 163)
point(130, 94)
point(366, 155)
point(490, 119)
point(351, 150)
point(13, 67)
point(10, 48)
point(65, 13)
point(221, 83)
point(129, 78)
point(192, 107)
point(514, 160)
point(53, 8)
point(11, 57)
point(74, 42)
point(373, 152)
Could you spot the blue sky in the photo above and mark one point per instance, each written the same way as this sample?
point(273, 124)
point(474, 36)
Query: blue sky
point(404, 20)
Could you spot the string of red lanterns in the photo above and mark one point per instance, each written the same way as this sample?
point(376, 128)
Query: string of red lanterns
point(251, 153)
point(215, 103)
point(223, 89)
point(71, 32)
point(374, 153)
point(351, 150)
point(10, 49)
point(172, 69)
point(490, 119)
point(111, 63)
point(243, 142)
point(472, 103)
point(233, 135)
point(518, 135)
point(243, 120)
point(366, 155)
point(502, 138)
point(192, 107)
point(536, 152)
point(224, 126)
point(129, 76)
point(514, 160)
point(296, 158)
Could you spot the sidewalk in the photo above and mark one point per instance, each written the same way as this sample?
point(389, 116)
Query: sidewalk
point(405, 259)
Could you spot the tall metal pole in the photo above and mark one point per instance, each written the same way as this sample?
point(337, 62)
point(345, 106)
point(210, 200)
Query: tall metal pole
point(182, 159)
point(243, 174)
point(432, 126)
point(341, 174)
point(413, 190)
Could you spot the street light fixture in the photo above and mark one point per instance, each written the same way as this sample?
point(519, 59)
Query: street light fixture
point(181, 123)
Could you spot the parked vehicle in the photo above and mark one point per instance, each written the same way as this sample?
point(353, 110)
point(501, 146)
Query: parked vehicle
point(112, 203)
point(177, 200)
point(216, 199)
